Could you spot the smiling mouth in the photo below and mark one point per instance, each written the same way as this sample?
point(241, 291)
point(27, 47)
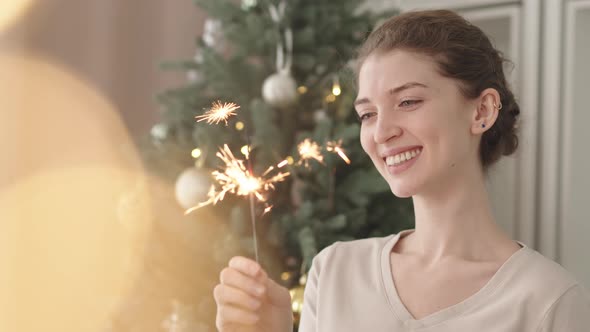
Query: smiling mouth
point(402, 157)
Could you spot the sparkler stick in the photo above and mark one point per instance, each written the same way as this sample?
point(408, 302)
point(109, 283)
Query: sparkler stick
point(251, 198)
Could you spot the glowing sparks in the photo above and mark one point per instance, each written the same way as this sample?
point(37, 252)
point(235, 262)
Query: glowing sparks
point(218, 112)
point(236, 179)
point(309, 149)
point(336, 147)
point(267, 209)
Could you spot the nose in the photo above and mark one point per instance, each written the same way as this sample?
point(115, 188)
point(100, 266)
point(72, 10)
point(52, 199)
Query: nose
point(386, 128)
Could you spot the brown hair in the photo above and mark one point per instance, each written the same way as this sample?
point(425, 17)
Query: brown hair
point(462, 52)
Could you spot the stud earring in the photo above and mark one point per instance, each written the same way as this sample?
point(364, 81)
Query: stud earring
point(483, 125)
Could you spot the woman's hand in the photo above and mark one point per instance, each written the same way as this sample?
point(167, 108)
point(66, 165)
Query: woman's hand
point(248, 300)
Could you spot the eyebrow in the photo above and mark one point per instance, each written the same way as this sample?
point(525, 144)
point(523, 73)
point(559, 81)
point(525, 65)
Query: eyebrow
point(393, 91)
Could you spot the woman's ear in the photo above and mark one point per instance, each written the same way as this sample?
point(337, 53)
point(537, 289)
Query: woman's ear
point(486, 113)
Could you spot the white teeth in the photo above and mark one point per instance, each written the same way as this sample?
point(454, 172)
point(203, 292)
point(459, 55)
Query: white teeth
point(402, 157)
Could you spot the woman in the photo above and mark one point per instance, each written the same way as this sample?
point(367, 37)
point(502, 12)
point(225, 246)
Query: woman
point(436, 112)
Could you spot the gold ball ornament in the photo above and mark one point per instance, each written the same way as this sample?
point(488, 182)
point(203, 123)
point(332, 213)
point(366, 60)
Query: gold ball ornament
point(280, 90)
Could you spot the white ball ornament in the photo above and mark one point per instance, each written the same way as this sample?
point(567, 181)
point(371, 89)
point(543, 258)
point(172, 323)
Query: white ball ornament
point(280, 89)
point(319, 116)
point(191, 187)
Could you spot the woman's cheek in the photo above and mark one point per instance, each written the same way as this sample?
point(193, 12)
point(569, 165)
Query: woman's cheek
point(363, 139)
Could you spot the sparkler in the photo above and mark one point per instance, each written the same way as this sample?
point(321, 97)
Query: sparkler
point(218, 112)
point(235, 178)
point(309, 149)
point(336, 147)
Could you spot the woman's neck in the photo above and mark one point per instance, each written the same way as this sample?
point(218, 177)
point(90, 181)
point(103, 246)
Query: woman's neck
point(456, 221)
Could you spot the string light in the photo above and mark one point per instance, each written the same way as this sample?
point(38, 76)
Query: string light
point(239, 125)
point(245, 151)
point(336, 90)
point(302, 89)
point(196, 153)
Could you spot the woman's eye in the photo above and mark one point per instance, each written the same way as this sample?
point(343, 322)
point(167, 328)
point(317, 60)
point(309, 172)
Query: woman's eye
point(407, 103)
point(365, 116)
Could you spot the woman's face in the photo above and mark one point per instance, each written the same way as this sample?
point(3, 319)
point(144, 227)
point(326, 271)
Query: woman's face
point(415, 123)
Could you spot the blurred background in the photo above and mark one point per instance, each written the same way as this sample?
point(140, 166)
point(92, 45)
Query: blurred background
point(102, 153)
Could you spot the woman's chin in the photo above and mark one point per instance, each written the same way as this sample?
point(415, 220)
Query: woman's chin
point(401, 191)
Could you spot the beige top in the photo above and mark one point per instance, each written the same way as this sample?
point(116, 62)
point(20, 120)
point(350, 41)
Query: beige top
point(350, 288)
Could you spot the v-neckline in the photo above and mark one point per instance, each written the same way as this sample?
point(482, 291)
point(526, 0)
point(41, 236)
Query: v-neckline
point(401, 312)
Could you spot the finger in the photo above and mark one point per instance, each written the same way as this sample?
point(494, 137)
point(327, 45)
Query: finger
point(245, 265)
point(227, 295)
point(236, 279)
point(277, 294)
point(229, 315)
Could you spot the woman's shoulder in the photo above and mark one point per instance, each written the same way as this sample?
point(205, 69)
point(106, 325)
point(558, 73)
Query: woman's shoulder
point(343, 253)
point(563, 301)
point(539, 270)
point(542, 280)
point(359, 247)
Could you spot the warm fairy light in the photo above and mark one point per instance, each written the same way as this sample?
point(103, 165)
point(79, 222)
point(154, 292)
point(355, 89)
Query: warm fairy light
point(236, 179)
point(336, 147)
point(285, 276)
point(239, 125)
point(330, 98)
point(309, 149)
point(196, 153)
point(267, 209)
point(302, 89)
point(336, 91)
point(283, 163)
point(218, 112)
point(245, 151)
point(290, 160)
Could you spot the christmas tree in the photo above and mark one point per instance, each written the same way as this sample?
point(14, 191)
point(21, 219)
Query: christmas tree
point(288, 66)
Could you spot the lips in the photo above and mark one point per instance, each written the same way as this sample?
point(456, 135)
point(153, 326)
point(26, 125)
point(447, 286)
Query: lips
point(402, 157)
point(397, 151)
